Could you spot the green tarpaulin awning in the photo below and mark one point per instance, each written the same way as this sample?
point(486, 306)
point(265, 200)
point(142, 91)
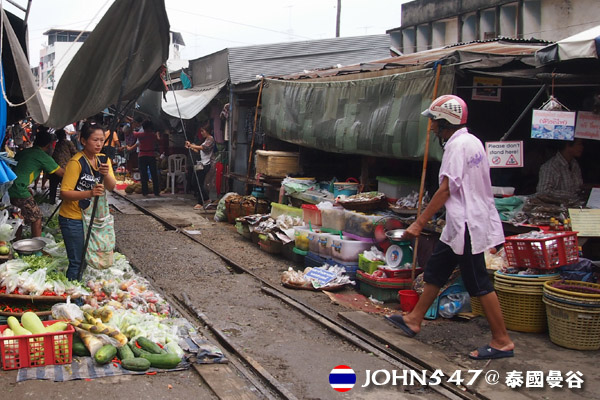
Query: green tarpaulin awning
point(377, 117)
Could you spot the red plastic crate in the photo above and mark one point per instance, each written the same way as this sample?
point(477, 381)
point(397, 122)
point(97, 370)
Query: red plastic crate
point(400, 273)
point(548, 253)
point(36, 350)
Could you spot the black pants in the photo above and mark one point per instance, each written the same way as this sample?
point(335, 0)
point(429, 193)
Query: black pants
point(201, 174)
point(144, 162)
point(472, 268)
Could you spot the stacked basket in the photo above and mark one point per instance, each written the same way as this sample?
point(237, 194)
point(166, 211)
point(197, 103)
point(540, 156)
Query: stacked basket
point(573, 310)
point(520, 298)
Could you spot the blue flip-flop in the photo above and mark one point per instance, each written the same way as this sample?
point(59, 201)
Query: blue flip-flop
point(398, 322)
point(489, 353)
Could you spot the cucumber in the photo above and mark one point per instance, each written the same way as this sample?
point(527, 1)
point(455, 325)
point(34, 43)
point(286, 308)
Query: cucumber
point(149, 345)
point(135, 364)
point(80, 350)
point(105, 354)
point(125, 353)
point(136, 351)
point(163, 361)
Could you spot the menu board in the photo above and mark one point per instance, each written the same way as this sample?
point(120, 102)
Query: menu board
point(586, 222)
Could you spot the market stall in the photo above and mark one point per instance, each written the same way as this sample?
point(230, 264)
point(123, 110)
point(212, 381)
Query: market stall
point(122, 326)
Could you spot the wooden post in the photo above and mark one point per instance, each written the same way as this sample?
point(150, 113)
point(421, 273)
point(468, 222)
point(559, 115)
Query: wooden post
point(424, 170)
point(262, 81)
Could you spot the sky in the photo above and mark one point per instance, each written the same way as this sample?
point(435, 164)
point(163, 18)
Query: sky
point(210, 26)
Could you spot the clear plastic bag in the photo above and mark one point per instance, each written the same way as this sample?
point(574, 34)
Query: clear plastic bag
point(68, 311)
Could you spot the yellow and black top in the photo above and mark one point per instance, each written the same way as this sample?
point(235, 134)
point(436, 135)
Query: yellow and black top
point(81, 175)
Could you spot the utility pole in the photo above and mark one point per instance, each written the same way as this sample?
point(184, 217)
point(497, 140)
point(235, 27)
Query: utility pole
point(337, 20)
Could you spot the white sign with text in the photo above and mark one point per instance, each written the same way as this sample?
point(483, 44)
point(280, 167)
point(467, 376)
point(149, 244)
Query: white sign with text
point(588, 125)
point(505, 154)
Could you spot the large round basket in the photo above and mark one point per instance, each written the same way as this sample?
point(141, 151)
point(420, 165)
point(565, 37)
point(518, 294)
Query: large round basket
point(573, 310)
point(521, 301)
point(573, 327)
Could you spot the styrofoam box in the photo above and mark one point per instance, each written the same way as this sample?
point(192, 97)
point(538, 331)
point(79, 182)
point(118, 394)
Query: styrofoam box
point(395, 187)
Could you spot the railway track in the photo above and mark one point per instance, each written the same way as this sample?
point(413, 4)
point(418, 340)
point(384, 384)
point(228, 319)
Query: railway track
point(260, 377)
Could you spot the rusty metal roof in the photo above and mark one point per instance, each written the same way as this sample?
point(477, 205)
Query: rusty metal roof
point(500, 47)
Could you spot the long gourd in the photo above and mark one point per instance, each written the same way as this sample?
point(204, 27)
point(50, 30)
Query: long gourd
point(32, 323)
point(16, 327)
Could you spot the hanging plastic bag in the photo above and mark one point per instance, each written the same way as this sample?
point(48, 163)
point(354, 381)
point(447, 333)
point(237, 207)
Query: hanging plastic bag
point(102, 239)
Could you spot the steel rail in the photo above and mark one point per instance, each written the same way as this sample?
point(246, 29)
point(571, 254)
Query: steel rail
point(400, 359)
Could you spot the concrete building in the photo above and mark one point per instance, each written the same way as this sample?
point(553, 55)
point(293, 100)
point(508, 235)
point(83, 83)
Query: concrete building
point(429, 24)
point(56, 55)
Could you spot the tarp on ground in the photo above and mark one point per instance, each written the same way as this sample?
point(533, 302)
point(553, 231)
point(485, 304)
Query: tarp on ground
point(585, 44)
point(189, 102)
point(92, 80)
point(376, 117)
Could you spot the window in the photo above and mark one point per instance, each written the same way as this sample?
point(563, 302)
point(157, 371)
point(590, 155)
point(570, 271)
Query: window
point(508, 20)
point(487, 24)
point(469, 28)
point(532, 19)
point(438, 34)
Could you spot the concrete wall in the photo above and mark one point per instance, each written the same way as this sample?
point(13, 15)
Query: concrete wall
point(563, 18)
point(421, 11)
point(550, 20)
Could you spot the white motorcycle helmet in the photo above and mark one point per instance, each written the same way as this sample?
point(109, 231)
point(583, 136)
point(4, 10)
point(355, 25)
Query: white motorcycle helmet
point(448, 107)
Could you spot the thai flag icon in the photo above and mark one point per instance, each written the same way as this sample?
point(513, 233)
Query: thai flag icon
point(342, 378)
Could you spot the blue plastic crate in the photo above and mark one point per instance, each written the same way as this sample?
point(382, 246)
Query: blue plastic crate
point(350, 269)
point(314, 260)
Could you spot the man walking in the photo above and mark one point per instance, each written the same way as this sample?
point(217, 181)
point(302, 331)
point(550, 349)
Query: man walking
point(472, 226)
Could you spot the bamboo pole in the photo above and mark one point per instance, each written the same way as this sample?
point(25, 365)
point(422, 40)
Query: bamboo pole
point(262, 82)
point(424, 170)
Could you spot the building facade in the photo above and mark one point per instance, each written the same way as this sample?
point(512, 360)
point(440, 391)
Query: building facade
point(428, 24)
point(56, 55)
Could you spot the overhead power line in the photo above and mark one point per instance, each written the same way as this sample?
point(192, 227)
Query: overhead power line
point(239, 23)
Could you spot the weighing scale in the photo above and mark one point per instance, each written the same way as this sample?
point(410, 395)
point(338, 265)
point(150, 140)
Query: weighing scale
point(399, 252)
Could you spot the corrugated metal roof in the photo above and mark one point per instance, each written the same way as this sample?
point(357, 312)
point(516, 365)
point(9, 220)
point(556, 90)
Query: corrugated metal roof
point(495, 47)
point(278, 59)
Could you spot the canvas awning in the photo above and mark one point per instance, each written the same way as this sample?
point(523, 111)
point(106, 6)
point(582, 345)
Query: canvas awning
point(585, 44)
point(189, 102)
point(93, 79)
point(376, 117)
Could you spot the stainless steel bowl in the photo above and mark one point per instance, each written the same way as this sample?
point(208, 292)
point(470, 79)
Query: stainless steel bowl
point(28, 246)
point(395, 234)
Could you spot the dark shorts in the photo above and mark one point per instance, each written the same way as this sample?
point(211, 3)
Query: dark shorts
point(29, 209)
point(472, 268)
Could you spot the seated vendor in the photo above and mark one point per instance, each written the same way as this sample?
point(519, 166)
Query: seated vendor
point(561, 175)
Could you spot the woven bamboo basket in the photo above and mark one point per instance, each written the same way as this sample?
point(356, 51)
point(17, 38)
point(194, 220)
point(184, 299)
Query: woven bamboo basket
point(521, 302)
point(573, 327)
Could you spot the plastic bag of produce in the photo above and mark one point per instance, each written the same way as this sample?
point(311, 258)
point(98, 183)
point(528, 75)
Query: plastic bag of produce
point(68, 311)
point(8, 227)
point(221, 213)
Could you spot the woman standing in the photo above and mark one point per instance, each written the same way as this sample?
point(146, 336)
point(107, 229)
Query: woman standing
point(87, 175)
point(206, 150)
